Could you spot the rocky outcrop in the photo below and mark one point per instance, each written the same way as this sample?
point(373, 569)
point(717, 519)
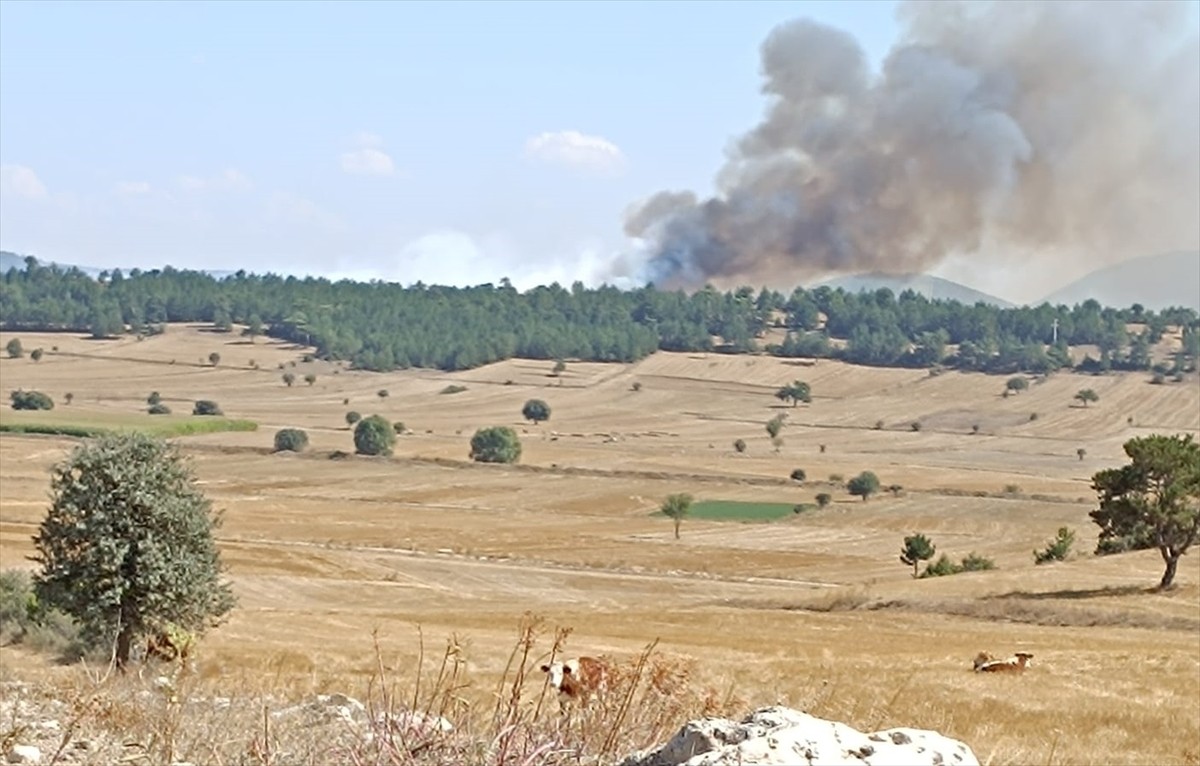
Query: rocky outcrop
point(780, 735)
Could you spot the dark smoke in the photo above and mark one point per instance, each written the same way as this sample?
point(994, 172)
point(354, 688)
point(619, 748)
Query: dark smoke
point(1059, 127)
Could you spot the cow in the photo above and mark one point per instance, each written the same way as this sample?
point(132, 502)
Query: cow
point(578, 681)
point(1015, 664)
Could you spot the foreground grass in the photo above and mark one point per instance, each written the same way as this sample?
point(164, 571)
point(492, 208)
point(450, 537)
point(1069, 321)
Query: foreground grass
point(87, 424)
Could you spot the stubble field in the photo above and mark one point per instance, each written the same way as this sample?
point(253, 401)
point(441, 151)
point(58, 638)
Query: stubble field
point(813, 610)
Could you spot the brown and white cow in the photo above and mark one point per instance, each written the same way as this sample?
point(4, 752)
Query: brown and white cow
point(579, 680)
point(1015, 664)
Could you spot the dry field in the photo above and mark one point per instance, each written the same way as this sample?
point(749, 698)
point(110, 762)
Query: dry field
point(814, 610)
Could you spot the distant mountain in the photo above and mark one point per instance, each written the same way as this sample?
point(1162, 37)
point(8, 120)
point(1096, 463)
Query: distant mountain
point(934, 288)
point(1155, 281)
point(12, 260)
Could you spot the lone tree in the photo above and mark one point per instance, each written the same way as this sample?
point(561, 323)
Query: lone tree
point(36, 355)
point(535, 410)
point(1086, 395)
point(15, 349)
point(1158, 492)
point(1016, 385)
point(127, 546)
point(864, 485)
point(288, 379)
point(310, 378)
point(290, 440)
point(677, 507)
point(774, 429)
point(214, 359)
point(917, 548)
point(374, 436)
point(797, 391)
point(497, 444)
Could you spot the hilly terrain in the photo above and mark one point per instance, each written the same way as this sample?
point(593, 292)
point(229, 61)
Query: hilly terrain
point(933, 288)
point(1154, 281)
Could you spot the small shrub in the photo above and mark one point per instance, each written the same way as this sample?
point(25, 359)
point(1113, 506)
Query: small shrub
point(895, 489)
point(1033, 416)
point(206, 407)
point(975, 429)
point(453, 389)
point(940, 568)
point(24, 620)
point(159, 409)
point(878, 425)
point(799, 475)
point(1158, 379)
point(637, 386)
point(915, 425)
point(836, 478)
point(15, 349)
point(822, 446)
point(291, 440)
point(739, 445)
point(69, 397)
point(1012, 489)
point(560, 367)
point(31, 400)
point(153, 398)
point(973, 562)
point(288, 379)
point(308, 358)
point(382, 393)
point(352, 417)
point(824, 499)
point(311, 378)
point(1057, 549)
point(36, 355)
point(374, 436)
point(214, 358)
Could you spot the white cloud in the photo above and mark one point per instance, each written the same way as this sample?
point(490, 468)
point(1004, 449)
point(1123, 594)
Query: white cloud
point(21, 181)
point(369, 159)
point(577, 150)
point(133, 188)
point(229, 179)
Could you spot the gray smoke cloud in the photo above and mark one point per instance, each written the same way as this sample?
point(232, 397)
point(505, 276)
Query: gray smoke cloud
point(1064, 127)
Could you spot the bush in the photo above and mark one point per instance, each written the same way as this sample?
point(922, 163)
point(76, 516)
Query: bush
point(973, 562)
point(739, 445)
point(398, 427)
point(374, 436)
point(288, 379)
point(453, 389)
point(498, 444)
point(69, 397)
point(214, 358)
point(1057, 549)
point(14, 348)
point(159, 409)
point(915, 425)
point(290, 440)
point(878, 425)
point(310, 378)
point(940, 568)
point(1158, 379)
point(24, 620)
point(352, 417)
point(153, 398)
point(382, 393)
point(799, 475)
point(206, 407)
point(637, 386)
point(31, 400)
point(36, 355)
point(824, 499)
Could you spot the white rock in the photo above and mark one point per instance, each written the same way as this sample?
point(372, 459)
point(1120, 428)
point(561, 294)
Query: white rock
point(779, 735)
point(24, 754)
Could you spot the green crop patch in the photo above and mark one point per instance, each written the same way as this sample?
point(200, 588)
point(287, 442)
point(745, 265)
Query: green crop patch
point(737, 510)
point(87, 424)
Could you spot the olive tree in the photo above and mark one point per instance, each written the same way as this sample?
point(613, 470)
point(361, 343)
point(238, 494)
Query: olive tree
point(127, 546)
point(497, 444)
point(290, 440)
point(676, 508)
point(864, 485)
point(374, 436)
point(536, 410)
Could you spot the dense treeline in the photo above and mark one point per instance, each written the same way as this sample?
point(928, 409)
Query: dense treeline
point(382, 326)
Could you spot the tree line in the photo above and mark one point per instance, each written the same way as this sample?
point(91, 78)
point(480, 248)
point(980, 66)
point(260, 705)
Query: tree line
point(386, 326)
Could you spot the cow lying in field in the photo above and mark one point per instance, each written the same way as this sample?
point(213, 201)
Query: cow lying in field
point(579, 680)
point(985, 663)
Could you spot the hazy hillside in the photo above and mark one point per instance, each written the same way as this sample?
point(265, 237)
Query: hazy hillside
point(929, 286)
point(9, 260)
point(1155, 281)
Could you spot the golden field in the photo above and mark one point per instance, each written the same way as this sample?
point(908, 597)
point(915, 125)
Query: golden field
point(813, 611)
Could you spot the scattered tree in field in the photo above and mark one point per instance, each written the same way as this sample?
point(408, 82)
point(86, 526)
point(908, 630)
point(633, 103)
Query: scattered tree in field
point(1016, 385)
point(637, 386)
point(1081, 452)
point(70, 397)
point(382, 393)
point(352, 417)
point(311, 378)
point(290, 440)
point(127, 546)
point(797, 391)
point(31, 400)
point(824, 499)
point(676, 507)
point(774, 429)
point(975, 429)
point(497, 444)
point(1057, 549)
point(917, 548)
point(158, 409)
point(206, 407)
point(739, 445)
point(559, 367)
point(1033, 416)
point(536, 411)
point(878, 425)
point(398, 427)
point(374, 436)
point(864, 485)
point(798, 475)
point(1086, 395)
point(214, 359)
point(915, 425)
point(822, 446)
point(154, 398)
point(288, 379)
point(15, 349)
point(1157, 496)
point(36, 355)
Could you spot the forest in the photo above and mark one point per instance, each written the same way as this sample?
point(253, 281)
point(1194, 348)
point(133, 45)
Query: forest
point(386, 326)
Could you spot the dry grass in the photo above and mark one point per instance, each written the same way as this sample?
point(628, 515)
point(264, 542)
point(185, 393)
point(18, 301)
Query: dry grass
point(813, 610)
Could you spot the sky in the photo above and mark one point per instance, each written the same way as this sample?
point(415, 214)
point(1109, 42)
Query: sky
point(451, 142)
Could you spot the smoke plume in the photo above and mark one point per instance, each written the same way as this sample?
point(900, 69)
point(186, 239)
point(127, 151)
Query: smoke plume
point(1064, 127)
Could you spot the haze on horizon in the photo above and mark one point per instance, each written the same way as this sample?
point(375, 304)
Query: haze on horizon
point(463, 143)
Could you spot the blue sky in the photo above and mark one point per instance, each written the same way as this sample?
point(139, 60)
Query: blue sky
point(450, 142)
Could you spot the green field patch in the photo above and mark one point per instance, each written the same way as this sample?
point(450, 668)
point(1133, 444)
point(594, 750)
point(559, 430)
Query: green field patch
point(84, 424)
point(738, 510)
